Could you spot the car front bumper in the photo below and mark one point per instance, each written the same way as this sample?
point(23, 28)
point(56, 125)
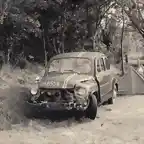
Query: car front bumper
point(53, 106)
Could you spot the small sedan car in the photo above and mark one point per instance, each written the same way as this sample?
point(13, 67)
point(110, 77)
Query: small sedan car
point(78, 81)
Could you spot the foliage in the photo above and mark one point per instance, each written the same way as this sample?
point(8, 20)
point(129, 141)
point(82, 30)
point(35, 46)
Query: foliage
point(46, 27)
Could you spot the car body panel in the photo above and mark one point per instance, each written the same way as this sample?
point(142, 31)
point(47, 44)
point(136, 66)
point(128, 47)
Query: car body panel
point(104, 77)
point(91, 82)
point(63, 80)
point(105, 83)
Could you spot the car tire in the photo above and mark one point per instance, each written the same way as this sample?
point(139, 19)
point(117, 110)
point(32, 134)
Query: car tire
point(91, 111)
point(114, 95)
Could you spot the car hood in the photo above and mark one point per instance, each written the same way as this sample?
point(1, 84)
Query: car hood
point(63, 80)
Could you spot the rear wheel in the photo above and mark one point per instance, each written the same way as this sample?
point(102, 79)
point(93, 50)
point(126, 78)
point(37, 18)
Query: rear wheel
point(91, 111)
point(114, 95)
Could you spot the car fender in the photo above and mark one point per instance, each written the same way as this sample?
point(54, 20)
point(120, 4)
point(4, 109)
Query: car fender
point(90, 87)
point(95, 91)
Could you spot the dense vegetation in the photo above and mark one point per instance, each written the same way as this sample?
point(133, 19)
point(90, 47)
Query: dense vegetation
point(43, 28)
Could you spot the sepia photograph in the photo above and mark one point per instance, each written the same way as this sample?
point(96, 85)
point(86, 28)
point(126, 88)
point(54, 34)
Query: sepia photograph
point(71, 71)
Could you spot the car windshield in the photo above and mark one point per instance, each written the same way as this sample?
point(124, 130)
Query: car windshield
point(73, 65)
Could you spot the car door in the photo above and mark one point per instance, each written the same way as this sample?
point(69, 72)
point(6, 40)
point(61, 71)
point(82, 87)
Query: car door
point(104, 78)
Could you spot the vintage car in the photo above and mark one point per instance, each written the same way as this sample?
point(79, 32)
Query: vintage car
point(78, 81)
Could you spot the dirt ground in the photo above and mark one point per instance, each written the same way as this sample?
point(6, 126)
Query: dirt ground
point(121, 123)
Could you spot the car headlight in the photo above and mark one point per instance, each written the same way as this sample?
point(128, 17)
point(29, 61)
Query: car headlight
point(80, 91)
point(34, 91)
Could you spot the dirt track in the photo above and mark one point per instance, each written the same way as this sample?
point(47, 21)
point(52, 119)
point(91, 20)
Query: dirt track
point(120, 123)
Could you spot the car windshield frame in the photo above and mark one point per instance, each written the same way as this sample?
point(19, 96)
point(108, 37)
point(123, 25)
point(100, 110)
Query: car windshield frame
point(63, 72)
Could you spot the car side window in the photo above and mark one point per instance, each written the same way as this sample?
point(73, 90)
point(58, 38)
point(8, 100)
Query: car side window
point(98, 66)
point(103, 68)
point(107, 63)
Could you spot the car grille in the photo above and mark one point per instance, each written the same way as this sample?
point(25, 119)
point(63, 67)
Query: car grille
point(65, 94)
point(49, 92)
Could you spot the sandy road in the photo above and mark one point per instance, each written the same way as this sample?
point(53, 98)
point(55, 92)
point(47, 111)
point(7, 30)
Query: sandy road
point(121, 123)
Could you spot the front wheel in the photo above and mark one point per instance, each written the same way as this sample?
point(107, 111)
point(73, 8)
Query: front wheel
point(91, 111)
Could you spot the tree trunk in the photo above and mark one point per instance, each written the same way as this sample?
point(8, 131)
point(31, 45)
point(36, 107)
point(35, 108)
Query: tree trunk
point(45, 52)
point(122, 34)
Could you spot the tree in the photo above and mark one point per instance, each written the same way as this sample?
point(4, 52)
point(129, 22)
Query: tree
point(133, 10)
point(58, 26)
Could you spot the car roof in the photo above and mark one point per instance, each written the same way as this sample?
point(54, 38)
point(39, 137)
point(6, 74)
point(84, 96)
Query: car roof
point(90, 55)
